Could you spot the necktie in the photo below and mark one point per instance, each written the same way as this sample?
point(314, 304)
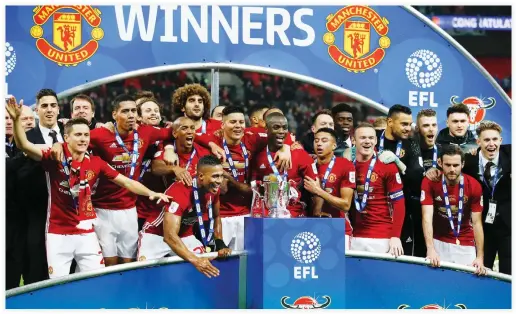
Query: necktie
point(53, 135)
point(487, 172)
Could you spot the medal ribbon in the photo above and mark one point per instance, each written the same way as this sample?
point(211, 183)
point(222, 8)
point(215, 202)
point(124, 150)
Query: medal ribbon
point(192, 155)
point(380, 147)
point(448, 207)
point(327, 173)
point(146, 165)
point(232, 164)
point(205, 240)
point(274, 169)
point(134, 154)
point(360, 206)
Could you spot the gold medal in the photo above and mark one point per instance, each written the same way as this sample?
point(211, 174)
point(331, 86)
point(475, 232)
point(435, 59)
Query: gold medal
point(457, 241)
point(208, 249)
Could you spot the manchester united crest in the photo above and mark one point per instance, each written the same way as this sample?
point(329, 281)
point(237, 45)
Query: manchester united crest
point(358, 22)
point(69, 23)
point(332, 178)
point(374, 177)
point(90, 175)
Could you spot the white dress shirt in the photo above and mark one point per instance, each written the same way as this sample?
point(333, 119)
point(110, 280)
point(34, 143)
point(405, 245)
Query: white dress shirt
point(46, 134)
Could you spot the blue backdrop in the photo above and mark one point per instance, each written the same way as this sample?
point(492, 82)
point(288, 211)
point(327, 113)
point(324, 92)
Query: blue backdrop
point(384, 53)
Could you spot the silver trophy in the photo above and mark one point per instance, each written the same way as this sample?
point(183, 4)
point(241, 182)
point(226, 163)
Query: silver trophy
point(276, 196)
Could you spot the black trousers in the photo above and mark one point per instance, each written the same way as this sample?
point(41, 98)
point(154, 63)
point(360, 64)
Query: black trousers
point(15, 250)
point(35, 263)
point(412, 237)
point(497, 239)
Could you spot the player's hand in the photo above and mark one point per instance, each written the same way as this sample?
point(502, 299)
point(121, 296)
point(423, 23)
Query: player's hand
point(312, 186)
point(63, 120)
point(204, 266)
point(57, 152)
point(224, 253)
point(168, 124)
point(217, 151)
point(13, 108)
point(478, 263)
point(99, 125)
point(432, 255)
point(387, 157)
point(433, 174)
point(395, 247)
point(170, 157)
point(110, 126)
point(473, 151)
point(160, 197)
point(182, 175)
point(283, 158)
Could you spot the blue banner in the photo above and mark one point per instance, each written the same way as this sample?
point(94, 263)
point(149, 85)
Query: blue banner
point(384, 54)
point(487, 23)
point(173, 286)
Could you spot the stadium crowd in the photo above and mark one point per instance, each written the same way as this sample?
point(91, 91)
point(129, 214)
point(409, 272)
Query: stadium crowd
point(136, 188)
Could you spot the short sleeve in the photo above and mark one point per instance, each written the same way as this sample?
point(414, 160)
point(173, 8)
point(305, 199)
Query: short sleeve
point(348, 175)
point(46, 159)
point(308, 166)
point(426, 192)
point(178, 199)
point(476, 198)
point(394, 185)
point(106, 170)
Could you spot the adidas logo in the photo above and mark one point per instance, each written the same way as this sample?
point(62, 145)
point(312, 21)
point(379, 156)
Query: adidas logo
point(408, 240)
point(438, 198)
point(112, 145)
point(262, 166)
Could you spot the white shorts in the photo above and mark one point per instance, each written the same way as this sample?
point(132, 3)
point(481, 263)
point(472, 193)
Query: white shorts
point(453, 253)
point(233, 232)
point(347, 242)
point(63, 248)
point(117, 231)
point(370, 245)
point(151, 246)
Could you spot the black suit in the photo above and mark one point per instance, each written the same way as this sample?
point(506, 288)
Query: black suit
point(32, 197)
point(497, 235)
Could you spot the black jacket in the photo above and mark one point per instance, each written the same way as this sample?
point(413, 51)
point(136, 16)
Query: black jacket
point(502, 193)
point(308, 144)
point(465, 142)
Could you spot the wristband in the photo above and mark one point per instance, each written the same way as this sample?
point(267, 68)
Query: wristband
point(219, 245)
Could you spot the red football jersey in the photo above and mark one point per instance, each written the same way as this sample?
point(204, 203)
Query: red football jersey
point(62, 217)
point(432, 194)
point(103, 144)
point(302, 165)
point(212, 125)
point(234, 203)
point(181, 204)
point(342, 175)
point(385, 209)
point(184, 158)
point(144, 206)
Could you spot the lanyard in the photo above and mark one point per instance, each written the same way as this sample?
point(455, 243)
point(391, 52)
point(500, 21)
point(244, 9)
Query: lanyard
point(146, 165)
point(66, 168)
point(448, 207)
point(327, 173)
point(494, 179)
point(205, 240)
point(398, 145)
point(192, 155)
point(134, 154)
point(360, 206)
point(434, 157)
point(203, 127)
point(230, 160)
point(274, 169)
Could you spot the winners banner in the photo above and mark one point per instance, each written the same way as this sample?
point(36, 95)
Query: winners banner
point(380, 55)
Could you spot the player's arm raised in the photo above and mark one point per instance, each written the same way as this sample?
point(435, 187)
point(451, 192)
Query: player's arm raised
point(138, 188)
point(171, 226)
point(14, 110)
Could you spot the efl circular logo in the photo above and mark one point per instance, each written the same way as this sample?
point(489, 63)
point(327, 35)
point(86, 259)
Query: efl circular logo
point(424, 68)
point(305, 247)
point(10, 58)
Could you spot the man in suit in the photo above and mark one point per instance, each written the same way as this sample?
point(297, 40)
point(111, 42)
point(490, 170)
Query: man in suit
point(491, 166)
point(31, 183)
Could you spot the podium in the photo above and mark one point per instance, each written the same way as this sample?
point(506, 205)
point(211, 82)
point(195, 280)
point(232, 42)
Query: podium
point(295, 263)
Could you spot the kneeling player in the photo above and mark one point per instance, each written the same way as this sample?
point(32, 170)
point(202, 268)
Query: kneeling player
point(183, 225)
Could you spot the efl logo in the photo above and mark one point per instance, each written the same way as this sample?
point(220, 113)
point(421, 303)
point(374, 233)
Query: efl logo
point(358, 21)
point(305, 249)
point(67, 32)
